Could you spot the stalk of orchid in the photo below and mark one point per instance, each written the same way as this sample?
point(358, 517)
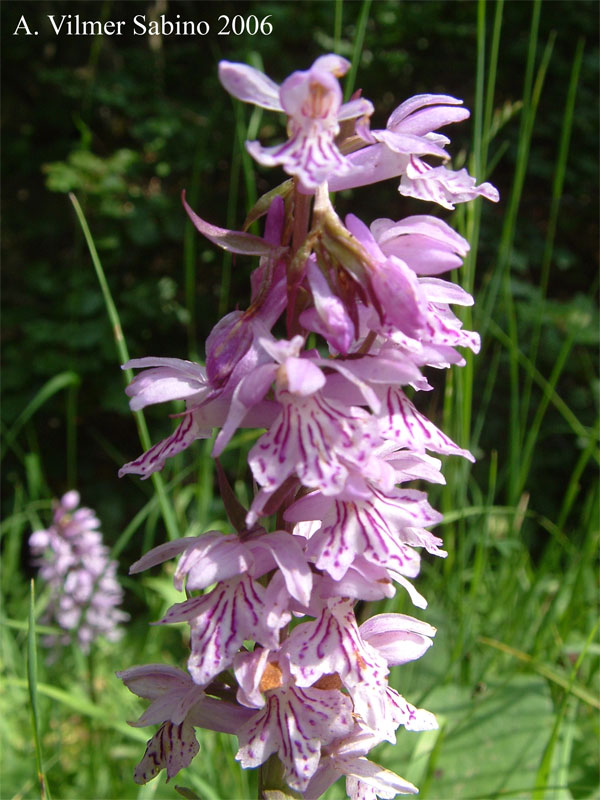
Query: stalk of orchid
point(309, 700)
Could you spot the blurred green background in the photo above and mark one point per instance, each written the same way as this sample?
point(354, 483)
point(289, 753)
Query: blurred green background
point(126, 123)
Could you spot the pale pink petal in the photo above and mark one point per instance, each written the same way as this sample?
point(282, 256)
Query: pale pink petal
point(248, 393)
point(162, 553)
point(387, 232)
point(290, 559)
point(249, 668)
point(370, 165)
point(410, 107)
point(212, 557)
point(302, 376)
point(407, 143)
point(218, 715)
point(355, 108)
point(250, 85)
point(332, 62)
point(427, 244)
point(439, 291)
point(329, 316)
point(154, 680)
point(397, 637)
point(167, 379)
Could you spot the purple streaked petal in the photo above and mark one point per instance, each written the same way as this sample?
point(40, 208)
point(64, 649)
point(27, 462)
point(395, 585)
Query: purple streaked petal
point(371, 528)
point(172, 748)
point(311, 158)
point(367, 780)
point(154, 459)
point(332, 645)
point(221, 621)
point(314, 438)
point(444, 328)
point(443, 186)
point(409, 428)
point(404, 713)
point(295, 724)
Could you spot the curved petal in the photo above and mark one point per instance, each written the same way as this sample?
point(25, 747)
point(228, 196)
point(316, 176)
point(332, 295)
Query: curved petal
point(250, 85)
point(233, 241)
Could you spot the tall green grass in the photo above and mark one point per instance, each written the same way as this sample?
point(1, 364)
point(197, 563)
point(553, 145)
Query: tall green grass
point(513, 676)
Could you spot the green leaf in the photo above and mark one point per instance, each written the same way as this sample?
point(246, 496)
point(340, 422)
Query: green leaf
point(492, 744)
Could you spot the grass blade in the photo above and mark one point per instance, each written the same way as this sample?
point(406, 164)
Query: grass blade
point(82, 705)
point(557, 189)
point(113, 315)
point(361, 27)
point(547, 672)
point(543, 773)
point(33, 703)
point(64, 380)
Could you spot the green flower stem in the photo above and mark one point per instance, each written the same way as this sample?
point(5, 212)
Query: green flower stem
point(271, 783)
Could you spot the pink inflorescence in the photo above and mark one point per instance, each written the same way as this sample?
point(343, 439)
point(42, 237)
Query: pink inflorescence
point(74, 564)
point(343, 442)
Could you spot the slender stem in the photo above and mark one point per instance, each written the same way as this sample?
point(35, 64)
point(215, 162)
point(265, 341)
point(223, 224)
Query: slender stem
point(301, 219)
point(337, 25)
point(113, 315)
point(361, 27)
